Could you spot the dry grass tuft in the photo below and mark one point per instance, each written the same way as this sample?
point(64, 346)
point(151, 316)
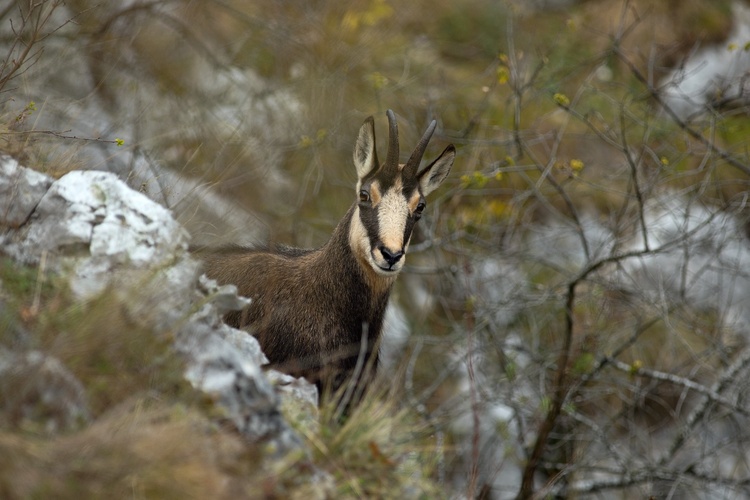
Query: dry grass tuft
point(142, 449)
point(380, 450)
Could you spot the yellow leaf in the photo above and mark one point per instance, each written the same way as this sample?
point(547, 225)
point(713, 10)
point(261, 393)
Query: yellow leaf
point(378, 11)
point(637, 365)
point(350, 21)
point(561, 99)
point(378, 80)
point(502, 75)
point(499, 208)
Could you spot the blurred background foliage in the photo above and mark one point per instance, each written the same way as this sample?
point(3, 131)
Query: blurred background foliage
point(559, 114)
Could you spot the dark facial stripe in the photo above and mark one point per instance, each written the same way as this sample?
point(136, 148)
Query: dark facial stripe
point(408, 229)
point(410, 184)
point(369, 218)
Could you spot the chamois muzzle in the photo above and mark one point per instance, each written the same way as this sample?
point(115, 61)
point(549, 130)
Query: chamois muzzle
point(390, 257)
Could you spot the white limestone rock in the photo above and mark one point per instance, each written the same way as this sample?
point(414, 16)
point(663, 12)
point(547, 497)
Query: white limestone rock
point(91, 227)
point(21, 190)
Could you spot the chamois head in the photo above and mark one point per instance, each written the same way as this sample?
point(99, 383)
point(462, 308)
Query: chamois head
point(391, 196)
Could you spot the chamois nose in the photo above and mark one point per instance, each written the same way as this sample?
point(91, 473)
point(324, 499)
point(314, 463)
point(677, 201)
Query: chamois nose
point(390, 257)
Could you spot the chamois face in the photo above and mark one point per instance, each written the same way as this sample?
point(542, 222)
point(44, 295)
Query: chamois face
point(391, 197)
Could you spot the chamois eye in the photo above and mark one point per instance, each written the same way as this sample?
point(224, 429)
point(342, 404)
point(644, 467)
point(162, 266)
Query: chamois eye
point(364, 196)
point(418, 211)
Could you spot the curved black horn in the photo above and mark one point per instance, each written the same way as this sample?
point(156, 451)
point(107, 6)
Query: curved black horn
point(391, 160)
point(416, 156)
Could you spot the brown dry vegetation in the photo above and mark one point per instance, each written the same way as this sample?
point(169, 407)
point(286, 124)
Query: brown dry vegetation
point(147, 434)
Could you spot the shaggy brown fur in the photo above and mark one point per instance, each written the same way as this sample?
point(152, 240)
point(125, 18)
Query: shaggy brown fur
point(309, 307)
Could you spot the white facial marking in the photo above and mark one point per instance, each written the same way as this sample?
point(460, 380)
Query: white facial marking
point(392, 214)
point(360, 243)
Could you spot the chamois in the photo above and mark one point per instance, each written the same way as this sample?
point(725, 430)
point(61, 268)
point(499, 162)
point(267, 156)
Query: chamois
point(318, 313)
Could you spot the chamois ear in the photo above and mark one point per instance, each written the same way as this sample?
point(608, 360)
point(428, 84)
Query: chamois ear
point(365, 157)
point(435, 173)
